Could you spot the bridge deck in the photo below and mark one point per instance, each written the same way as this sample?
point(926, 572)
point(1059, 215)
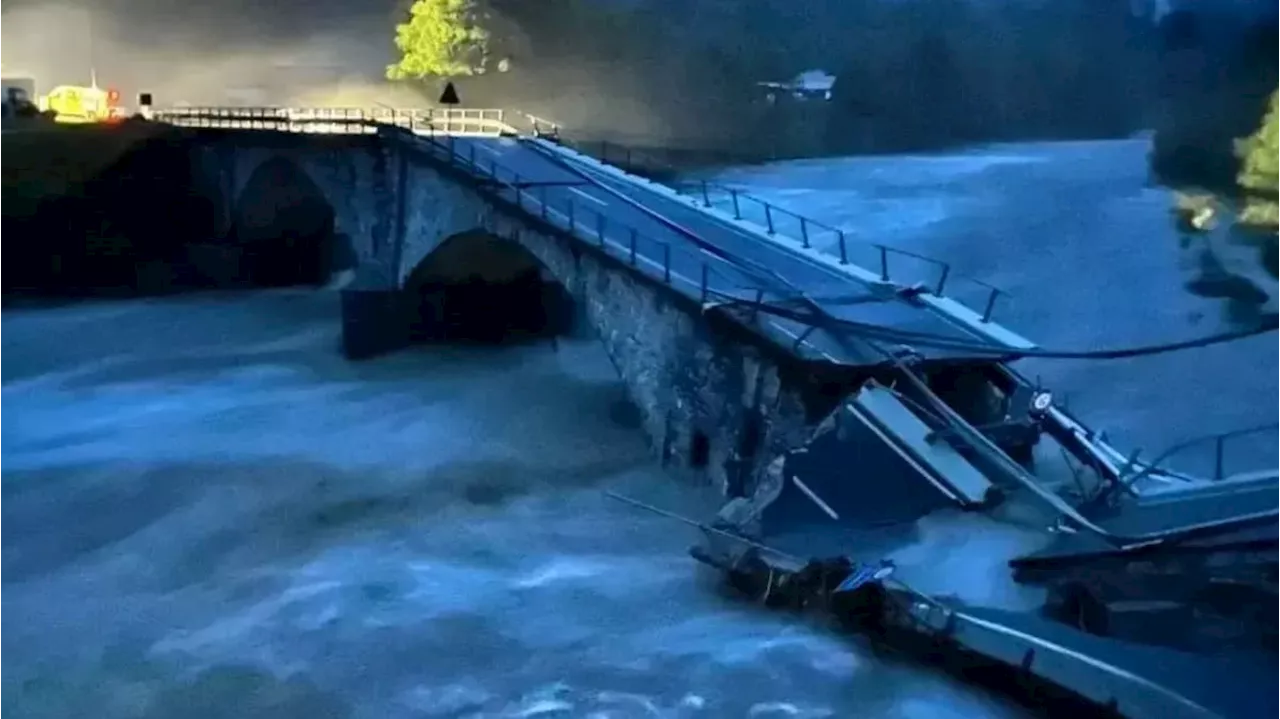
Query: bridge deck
point(612, 205)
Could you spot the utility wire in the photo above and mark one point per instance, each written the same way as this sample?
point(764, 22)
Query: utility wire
point(826, 321)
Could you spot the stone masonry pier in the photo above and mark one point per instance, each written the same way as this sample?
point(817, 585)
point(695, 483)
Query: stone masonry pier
point(717, 400)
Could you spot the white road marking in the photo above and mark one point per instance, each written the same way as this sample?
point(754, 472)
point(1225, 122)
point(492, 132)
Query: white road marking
point(585, 196)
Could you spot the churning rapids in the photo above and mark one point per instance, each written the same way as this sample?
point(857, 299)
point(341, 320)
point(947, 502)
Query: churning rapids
point(207, 513)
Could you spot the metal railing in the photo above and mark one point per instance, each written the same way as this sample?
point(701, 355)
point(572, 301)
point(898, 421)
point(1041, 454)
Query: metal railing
point(1209, 449)
point(341, 120)
point(889, 264)
point(541, 127)
point(709, 279)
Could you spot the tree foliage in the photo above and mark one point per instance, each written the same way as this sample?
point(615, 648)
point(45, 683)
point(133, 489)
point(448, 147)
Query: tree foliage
point(443, 38)
point(1259, 160)
point(1260, 155)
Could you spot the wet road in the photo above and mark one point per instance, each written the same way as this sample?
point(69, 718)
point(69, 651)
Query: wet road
point(207, 513)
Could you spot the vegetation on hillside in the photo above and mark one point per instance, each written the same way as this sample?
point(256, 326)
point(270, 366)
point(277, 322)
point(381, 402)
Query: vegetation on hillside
point(443, 38)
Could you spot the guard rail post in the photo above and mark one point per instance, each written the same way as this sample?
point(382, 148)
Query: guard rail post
point(768, 217)
point(884, 263)
point(804, 232)
point(737, 212)
point(942, 279)
point(1219, 452)
point(706, 196)
point(991, 304)
point(633, 239)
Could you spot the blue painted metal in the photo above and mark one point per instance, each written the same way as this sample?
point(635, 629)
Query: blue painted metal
point(864, 574)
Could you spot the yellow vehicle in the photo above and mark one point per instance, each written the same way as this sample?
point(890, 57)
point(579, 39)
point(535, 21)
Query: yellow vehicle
point(80, 104)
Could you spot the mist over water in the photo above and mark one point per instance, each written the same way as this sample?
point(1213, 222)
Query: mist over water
point(207, 512)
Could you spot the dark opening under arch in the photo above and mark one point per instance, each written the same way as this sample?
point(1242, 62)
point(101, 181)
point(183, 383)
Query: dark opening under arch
point(284, 227)
point(479, 288)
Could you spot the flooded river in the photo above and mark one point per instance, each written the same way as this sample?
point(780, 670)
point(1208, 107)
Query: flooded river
point(207, 513)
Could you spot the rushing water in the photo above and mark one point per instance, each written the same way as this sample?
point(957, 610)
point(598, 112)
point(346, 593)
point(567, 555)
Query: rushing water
point(208, 513)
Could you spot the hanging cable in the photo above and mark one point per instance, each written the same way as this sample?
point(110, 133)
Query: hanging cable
point(824, 320)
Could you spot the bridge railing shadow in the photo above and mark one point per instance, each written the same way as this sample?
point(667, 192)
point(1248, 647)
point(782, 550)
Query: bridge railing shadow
point(890, 264)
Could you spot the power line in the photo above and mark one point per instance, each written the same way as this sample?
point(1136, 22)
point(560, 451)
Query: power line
point(824, 320)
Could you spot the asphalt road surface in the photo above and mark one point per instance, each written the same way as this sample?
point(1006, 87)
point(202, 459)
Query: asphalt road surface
point(675, 239)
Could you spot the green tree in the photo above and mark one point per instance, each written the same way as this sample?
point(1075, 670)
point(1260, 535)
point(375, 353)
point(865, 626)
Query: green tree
point(443, 38)
point(1260, 158)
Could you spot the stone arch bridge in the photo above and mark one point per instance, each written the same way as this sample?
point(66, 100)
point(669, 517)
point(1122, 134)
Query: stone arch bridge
point(444, 231)
point(825, 388)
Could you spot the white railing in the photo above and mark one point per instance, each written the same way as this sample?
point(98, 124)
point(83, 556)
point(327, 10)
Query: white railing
point(341, 120)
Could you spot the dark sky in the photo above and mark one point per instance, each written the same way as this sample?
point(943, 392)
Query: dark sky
point(183, 50)
point(186, 49)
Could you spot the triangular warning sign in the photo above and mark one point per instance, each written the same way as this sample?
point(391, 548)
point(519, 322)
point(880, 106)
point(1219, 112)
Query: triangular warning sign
point(450, 95)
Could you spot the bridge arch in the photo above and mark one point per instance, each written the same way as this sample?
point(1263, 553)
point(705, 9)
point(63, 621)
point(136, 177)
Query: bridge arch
point(481, 288)
point(284, 226)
